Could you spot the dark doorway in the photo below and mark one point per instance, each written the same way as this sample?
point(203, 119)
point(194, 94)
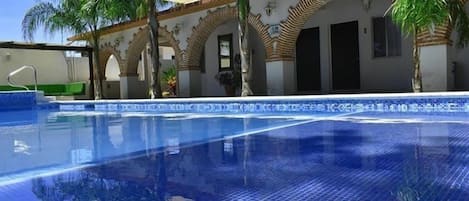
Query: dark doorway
point(308, 64)
point(345, 56)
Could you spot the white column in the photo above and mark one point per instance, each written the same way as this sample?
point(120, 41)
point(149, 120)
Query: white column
point(189, 83)
point(437, 71)
point(147, 66)
point(129, 86)
point(280, 77)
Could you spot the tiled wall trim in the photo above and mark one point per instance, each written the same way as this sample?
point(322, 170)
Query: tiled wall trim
point(306, 104)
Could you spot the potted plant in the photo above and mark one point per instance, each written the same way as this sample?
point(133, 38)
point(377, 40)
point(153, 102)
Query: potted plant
point(230, 79)
point(169, 77)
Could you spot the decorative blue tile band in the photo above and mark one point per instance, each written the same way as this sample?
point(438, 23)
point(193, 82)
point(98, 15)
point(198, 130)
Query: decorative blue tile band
point(298, 104)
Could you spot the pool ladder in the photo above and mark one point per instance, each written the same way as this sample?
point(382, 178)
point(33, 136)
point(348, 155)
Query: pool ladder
point(12, 84)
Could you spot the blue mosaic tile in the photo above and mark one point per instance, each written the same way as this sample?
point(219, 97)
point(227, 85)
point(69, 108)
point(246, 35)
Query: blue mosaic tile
point(338, 105)
point(17, 100)
point(48, 106)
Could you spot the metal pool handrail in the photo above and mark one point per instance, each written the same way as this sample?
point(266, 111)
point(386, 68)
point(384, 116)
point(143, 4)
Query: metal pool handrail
point(12, 84)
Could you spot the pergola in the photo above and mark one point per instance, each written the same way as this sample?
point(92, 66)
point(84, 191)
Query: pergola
point(56, 47)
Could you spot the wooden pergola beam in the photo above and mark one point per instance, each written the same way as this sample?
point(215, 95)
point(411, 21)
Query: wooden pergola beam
point(44, 46)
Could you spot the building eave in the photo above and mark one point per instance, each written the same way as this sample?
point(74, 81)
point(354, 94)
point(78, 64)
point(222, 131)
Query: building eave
point(168, 14)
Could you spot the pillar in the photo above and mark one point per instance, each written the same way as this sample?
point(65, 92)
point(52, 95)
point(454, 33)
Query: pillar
point(280, 76)
point(435, 59)
point(437, 70)
point(129, 87)
point(147, 66)
point(188, 82)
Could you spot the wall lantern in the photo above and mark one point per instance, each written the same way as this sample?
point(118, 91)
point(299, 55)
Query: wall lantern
point(270, 7)
point(366, 4)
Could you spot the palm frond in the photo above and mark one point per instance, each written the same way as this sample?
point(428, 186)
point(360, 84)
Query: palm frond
point(35, 17)
point(417, 15)
point(459, 19)
point(243, 8)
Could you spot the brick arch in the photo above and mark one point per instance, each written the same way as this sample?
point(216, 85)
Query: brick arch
point(209, 23)
point(441, 35)
point(139, 42)
point(106, 50)
point(292, 26)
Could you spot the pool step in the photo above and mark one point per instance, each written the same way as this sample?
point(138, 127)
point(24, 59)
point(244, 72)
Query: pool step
point(44, 102)
point(40, 98)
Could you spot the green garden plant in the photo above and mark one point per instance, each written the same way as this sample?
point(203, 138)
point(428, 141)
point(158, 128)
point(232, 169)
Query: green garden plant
point(415, 16)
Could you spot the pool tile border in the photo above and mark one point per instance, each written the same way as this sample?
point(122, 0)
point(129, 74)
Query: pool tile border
point(404, 103)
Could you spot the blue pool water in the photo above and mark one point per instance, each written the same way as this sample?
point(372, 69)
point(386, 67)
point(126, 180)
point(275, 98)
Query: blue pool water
point(93, 155)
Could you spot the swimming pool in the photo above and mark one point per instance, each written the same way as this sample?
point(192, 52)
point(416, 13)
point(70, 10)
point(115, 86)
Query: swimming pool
point(391, 147)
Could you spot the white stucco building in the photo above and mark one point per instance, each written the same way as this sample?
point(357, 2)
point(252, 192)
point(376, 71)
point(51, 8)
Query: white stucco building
point(297, 47)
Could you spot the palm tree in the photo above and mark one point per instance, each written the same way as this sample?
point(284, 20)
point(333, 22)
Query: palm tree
point(128, 10)
point(154, 50)
point(76, 16)
point(243, 31)
point(153, 26)
point(416, 16)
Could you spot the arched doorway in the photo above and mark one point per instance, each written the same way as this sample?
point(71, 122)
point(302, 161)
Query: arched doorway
point(211, 63)
point(111, 84)
point(138, 69)
point(204, 41)
point(111, 67)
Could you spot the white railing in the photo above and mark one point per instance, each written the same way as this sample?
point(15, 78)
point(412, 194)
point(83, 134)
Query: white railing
point(12, 84)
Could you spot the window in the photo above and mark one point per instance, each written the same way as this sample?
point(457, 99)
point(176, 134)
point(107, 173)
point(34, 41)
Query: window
point(386, 37)
point(225, 52)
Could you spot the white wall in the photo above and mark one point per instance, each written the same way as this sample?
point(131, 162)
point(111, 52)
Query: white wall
point(377, 74)
point(120, 39)
point(79, 69)
point(51, 66)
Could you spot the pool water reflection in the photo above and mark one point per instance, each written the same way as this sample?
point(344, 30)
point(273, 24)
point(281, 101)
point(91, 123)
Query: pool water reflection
point(41, 142)
point(353, 158)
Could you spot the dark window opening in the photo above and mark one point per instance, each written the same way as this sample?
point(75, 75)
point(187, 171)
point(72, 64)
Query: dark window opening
point(387, 40)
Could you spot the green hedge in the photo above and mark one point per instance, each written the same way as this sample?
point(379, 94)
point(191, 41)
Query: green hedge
point(70, 89)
